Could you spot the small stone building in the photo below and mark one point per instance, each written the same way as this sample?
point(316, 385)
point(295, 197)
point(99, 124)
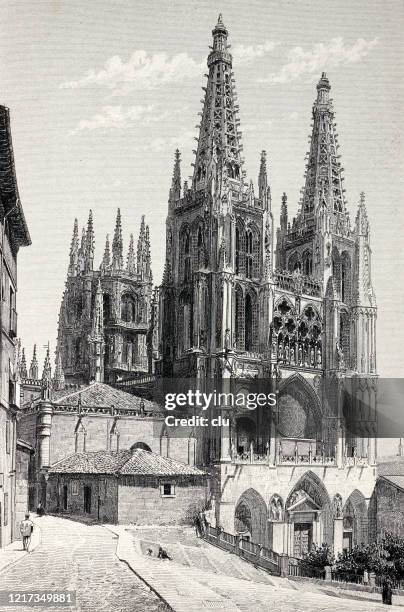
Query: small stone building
point(387, 502)
point(137, 486)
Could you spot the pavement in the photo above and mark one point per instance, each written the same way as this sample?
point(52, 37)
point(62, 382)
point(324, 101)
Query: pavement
point(109, 568)
point(15, 552)
point(79, 558)
point(202, 577)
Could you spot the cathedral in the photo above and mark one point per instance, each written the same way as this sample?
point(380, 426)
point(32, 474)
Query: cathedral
point(296, 307)
point(105, 313)
point(243, 305)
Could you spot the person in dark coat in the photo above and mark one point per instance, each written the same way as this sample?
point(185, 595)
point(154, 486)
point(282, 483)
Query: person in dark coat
point(387, 591)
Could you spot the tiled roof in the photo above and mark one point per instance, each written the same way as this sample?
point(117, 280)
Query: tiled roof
point(139, 462)
point(149, 464)
point(99, 462)
point(104, 396)
point(397, 481)
point(391, 468)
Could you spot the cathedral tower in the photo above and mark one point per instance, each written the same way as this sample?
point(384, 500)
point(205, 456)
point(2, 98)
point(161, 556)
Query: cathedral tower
point(105, 314)
point(218, 239)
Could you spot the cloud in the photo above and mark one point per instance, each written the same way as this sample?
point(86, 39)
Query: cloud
point(115, 117)
point(161, 143)
point(244, 54)
point(320, 57)
point(140, 72)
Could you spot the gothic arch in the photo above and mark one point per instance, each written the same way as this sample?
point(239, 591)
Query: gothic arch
point(185, 253)
point(346, 277)
point(307, 262)
point(251, 517)
point(355, 516)
point(251, 321)
point(297, 380)
point(80, 437)
point(316, 491)
point(184, 321)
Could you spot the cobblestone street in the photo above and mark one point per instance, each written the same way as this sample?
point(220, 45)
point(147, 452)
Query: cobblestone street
point(79, 558)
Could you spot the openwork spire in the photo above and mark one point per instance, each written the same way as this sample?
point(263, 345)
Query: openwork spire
point(47, 370)
point(131, 260)
point(106, 260)
point(219, 140)
point(323, 174)
point(74, 249)
point(175, 191)
point(89, 249)
point(263, 176)
point(117, 244)
point(143, 251)
point(23, 365)
point(59, 377)
point(33, 369)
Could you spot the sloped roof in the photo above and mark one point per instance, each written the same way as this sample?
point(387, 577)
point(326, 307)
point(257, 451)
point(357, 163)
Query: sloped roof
point(103, 396)
point(391, 468)
point(10, 200)
point(146, 463)
point(99, 462)
point(139, 462)
point(397, 481)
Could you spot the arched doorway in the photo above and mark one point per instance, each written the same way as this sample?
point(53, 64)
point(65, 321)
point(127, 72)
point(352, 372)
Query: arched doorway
point(251, 517)
point(355, 521)
point(309, 514)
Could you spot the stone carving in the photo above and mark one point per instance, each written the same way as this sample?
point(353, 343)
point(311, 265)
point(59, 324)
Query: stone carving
point(337, 506)
point(276, 509)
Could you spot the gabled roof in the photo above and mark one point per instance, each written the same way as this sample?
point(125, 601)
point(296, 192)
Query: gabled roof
point(102, 395)
point(139, 462)
point(395, 467)
point(9, 197)
point(397, 481)
point(145, 463)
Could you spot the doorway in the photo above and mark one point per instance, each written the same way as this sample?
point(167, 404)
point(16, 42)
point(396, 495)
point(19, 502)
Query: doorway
point(303, 538)
point(64, 497)
point(87, 499)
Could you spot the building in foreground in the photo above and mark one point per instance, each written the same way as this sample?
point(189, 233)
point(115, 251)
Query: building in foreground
point(136, 486)
point(301, 314)
point(14, 234)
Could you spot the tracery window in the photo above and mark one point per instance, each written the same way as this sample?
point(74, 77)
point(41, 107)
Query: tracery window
point(307, 263)
point(296, 340)
point(129, 308)
point(184, 323)
point(246, 321)
point(247, 251)
point(185, 271)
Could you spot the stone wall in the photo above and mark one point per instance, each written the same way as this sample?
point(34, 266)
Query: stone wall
point(23, 457)
point(140, 500)
point(103, 495)
point(389, 508)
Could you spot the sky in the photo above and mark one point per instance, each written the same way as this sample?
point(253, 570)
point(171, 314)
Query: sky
point(101, 93)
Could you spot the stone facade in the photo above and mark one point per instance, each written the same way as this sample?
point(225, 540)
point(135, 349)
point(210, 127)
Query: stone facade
point(14, 234)
point(303, 320)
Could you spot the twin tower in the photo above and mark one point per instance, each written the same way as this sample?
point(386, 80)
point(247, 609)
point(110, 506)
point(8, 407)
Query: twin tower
point(236, 299)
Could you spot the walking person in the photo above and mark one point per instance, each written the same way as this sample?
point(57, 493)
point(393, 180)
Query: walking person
point(26, 529)
point(387, 591)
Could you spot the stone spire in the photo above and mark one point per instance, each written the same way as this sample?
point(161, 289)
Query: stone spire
point(74, 250)
point(141, 247)
point(219, 144)
point(175, 191)
point(89, 244)
point(117, 244)
point(96, 338)
point(323, 170)
point(82, 251)
point(148, 272)
point(284, 213)
point(23, 365)
point(106, 260)
point(47, 370)
point(33, 369)
point(59, 377)
point(263, 177)
point(131, 260)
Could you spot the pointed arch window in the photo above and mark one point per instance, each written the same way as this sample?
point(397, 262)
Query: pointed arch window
point(80, 437)
point(346, 284)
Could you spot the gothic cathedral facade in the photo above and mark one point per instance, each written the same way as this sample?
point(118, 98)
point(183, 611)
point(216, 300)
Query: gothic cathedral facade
point(300, 313)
